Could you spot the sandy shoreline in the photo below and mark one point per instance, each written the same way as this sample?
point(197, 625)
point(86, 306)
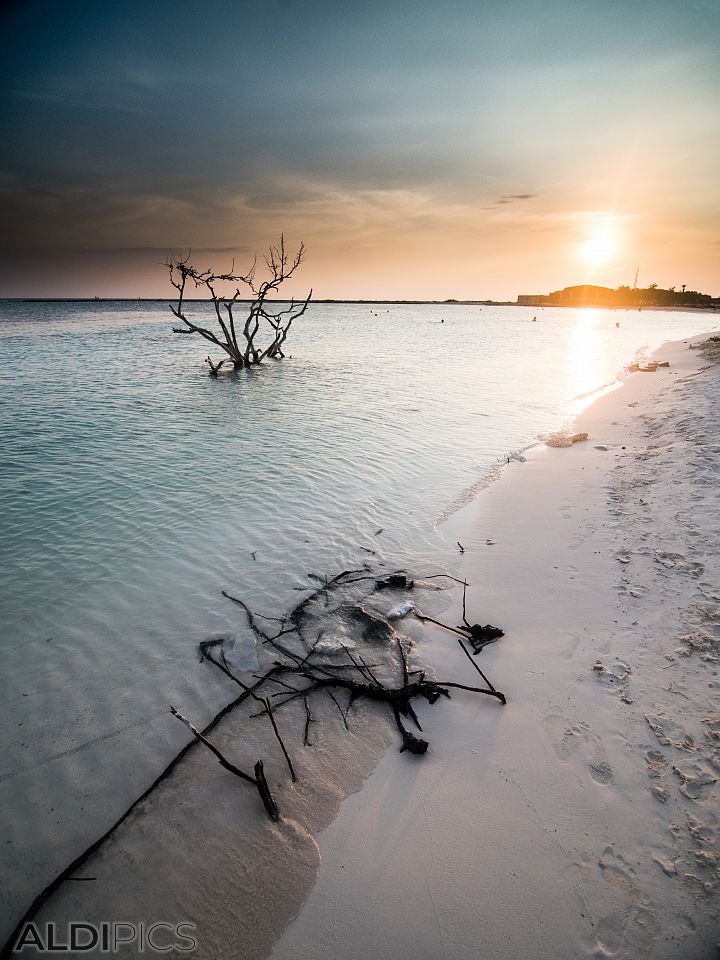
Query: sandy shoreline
point(578, 820)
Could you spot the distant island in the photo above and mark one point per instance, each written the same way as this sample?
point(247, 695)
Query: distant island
point(588, 295)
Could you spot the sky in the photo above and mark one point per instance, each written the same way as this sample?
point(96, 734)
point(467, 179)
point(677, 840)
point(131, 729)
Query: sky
point(421, 149)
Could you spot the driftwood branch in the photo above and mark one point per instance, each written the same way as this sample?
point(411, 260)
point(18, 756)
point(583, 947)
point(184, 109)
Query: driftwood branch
point(308, 721)
point(478, 635)
point(206, 648)
point(215, 368)
point(67, 872)
point(270, 714)
point(357, 676)
point(257, 781)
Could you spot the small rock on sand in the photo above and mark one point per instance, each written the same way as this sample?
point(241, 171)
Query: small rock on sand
point(565, 440)
point(667, 866)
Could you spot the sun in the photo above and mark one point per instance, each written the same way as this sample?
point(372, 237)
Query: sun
point(600, 246)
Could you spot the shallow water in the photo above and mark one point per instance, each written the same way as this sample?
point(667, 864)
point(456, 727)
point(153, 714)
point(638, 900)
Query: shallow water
point(134, 489)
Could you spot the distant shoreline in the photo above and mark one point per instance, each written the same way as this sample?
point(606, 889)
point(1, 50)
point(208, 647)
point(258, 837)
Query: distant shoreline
point(449, 303)
point(714, 308)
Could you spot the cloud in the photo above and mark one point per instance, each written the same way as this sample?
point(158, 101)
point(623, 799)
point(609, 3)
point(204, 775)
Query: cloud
point(170, 248)
point(514, 197)
point(408, 132)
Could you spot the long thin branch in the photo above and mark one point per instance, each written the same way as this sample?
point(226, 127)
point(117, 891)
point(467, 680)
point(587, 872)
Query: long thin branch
point(269, 711)
point(258, 781)
point(66, 873)
point(224, 762)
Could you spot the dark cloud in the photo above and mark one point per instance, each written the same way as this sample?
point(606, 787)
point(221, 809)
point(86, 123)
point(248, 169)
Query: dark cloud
point(514, 197)
point(172, 249)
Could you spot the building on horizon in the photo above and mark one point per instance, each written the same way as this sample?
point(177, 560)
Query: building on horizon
point(532, 299)
point(591, 295)
point(582, 295)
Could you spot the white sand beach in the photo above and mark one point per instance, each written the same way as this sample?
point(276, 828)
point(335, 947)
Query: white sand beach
point(580, 820)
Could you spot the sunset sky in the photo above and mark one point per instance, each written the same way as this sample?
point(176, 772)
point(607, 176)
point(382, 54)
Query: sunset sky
point(420, 149)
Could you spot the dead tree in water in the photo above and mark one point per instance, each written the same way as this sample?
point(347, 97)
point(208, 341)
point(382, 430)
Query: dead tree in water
point(240, 338)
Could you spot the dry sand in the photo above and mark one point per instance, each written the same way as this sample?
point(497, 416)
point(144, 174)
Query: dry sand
point(580, 819)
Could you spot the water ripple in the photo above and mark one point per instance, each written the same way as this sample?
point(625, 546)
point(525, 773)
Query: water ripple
point(133, 489)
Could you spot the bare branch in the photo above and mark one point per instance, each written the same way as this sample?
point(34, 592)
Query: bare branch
point(239, 342)
point(257, 781)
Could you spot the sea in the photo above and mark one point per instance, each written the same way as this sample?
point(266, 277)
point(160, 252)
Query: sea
point(135, 488)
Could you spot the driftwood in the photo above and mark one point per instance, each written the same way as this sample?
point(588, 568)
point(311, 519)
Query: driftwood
point(206, 648)
point(478, 635)
point(395, 580)
point(7, 950)
point(355, 676)
point(258, 780)
point(398, 698)
point(215, 368)
point(302, 673)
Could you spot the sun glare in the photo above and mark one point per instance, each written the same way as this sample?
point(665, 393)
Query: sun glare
point(600, 245)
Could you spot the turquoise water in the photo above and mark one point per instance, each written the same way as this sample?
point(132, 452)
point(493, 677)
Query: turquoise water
point(134, 488)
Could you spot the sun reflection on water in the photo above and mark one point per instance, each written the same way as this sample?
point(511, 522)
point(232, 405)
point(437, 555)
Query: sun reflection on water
point(586, 359)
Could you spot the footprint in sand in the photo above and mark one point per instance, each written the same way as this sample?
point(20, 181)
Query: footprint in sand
point(626, 587)
point(697, 641)
point(630, 918)
point(657, 766)
point(670, 733)
point(570, 646)
point(678, 563)
point(696, 779)
point(712, 722)
point(615, 674)
point(617, 871)
point(709, 614)
point(702, 833)
point(709, 591)
point(601, 771)
point(574, 739)
point(656, 762)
